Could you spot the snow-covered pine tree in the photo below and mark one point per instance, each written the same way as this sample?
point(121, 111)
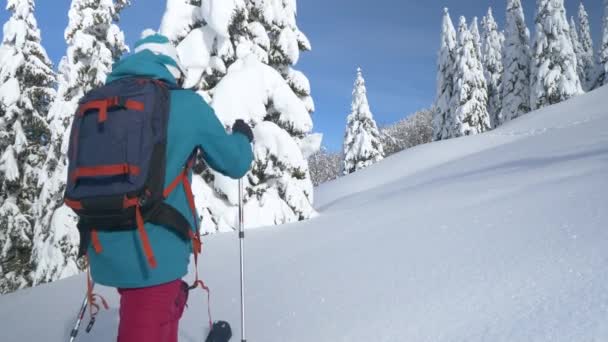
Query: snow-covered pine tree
point(212, 34)
point(206, 34)
point(94, 43)
point(362, 142)
point(586, 58)
point(279, 187)
point(27, 85)
point(516, 62)
point(278, 18)
point(470, 98)
point(248, 48)
point(474, 29)
point(554, 65)
point(180, 18)
point(603, 52)
point(578, 49)
point(491, 51)
point(445, 77)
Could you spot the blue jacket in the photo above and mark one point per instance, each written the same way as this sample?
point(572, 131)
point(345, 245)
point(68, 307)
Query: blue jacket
point(192, 123)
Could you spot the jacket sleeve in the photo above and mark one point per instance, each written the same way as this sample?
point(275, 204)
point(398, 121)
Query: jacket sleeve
point(229, 154)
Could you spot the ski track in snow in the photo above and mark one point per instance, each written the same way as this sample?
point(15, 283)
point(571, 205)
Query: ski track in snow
point(495, 237)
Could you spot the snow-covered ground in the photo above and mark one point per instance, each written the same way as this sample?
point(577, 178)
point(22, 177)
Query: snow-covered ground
point(495, 237)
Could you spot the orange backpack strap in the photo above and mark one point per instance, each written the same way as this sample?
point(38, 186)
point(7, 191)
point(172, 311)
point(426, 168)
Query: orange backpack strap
point(197, 245)
point(182, 178)
point(141, 229)
point(143, 236)
point(95, 241)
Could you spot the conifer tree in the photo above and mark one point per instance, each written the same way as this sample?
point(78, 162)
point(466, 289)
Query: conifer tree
point(94, 42)
point(27, 84)
point(603, 52)
point(470, 98)
point(474, 29)
point(493, 67)
point(586, 57)
point(578, 49)
point(252, 45)
point(362, 142)
point(445, 77)
point(554, 64)
point(516, 62)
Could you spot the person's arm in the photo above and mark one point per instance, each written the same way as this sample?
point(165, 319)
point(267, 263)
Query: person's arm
point(229, 154)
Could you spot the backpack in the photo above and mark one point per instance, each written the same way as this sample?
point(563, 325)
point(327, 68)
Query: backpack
point(117, 160)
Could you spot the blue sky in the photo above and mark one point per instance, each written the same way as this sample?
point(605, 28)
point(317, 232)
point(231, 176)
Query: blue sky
point(394, 41)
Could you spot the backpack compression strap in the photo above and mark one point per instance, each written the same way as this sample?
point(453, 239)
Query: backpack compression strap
point(104, 170)
point(103, 105)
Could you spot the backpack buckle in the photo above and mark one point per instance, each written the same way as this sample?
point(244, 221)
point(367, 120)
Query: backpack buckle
point(116, 101)
point(144, 197)
point(121, 101)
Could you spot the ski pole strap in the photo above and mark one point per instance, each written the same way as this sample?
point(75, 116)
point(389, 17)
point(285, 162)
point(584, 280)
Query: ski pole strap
point(94, 306)
point(197, 281)
point(200, 283)
point(197, 245)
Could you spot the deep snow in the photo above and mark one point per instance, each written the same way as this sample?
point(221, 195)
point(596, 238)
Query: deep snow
point(495, 237)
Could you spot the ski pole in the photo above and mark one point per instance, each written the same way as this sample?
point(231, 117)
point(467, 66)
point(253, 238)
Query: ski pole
point(79, 318)
point(241, 241)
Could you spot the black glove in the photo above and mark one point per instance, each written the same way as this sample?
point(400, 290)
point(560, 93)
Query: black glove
point(219, 332)
point(241, 127)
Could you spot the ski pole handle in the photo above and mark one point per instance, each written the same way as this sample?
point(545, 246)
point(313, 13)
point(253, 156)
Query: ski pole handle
point(90, 325)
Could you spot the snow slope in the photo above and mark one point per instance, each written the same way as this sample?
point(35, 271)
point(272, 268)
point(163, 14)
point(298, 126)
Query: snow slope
point(495, 237)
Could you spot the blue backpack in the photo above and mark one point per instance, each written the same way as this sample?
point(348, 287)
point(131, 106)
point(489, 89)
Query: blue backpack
point(117, 163)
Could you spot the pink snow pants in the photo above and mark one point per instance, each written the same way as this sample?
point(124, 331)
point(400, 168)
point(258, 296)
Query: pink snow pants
point(151, 314)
